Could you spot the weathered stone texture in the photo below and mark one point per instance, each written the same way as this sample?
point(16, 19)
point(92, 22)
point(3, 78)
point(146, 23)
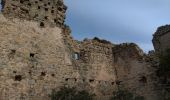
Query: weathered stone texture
point(46, 12)
point(133, 71)
point(161, 39)
point(33, 60)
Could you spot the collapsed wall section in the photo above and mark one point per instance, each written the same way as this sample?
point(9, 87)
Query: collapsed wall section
point(135, 70)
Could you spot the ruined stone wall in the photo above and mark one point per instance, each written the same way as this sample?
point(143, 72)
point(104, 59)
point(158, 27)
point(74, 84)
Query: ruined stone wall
point(46, 12)
point(96, 64)
point(33, 60)
point(135, 70)
point(161, 39)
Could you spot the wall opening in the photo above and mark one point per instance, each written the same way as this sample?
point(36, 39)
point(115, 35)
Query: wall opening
point(143, 79)
point(43, 73)
point(91, 80)
point(18, 78)
point(52, 75)
point(76, 56)
point(66, 79)
point(32, 55)
point(42, 24)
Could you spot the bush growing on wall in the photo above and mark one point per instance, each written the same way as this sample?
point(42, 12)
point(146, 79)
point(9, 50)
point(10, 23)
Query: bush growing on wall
point(164, 74)
point(70, 94)
point(123, 94)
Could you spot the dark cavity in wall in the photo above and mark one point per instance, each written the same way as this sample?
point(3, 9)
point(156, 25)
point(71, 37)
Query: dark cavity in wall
point(18, 78)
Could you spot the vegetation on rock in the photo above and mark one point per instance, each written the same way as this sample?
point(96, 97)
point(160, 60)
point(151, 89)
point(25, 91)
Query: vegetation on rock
point(66, 93)
point(123, 94)
point(164, 74)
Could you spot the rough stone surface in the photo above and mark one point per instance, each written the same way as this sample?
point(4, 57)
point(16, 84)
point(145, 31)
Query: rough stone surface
point(161, 39)
point(46, 12)
point(33, 60)
point(36, 58)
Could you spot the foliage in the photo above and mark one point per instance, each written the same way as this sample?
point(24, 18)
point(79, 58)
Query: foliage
point(164, 73)
point(164, 67)
point(70, 94)
point(123, 94)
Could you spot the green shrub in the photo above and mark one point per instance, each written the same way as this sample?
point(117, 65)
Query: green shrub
point(123, 94)
point(70, 94)
point(164, 66)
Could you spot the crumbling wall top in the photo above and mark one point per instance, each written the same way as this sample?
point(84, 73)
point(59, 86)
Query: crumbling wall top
point(162, 30)
point(46, 12)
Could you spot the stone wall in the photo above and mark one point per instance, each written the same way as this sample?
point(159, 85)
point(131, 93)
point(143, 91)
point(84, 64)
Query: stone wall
point(96, 63)
point(134, 70)
point(33, 60)
point(46, 12)
point(161, 39)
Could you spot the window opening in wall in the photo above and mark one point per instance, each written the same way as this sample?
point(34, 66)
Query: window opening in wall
point(76, 56)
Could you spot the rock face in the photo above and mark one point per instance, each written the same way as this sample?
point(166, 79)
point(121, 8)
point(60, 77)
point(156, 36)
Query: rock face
point(161, 40)
point(38, 54)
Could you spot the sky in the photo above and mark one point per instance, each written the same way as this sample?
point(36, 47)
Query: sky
point(118, 21)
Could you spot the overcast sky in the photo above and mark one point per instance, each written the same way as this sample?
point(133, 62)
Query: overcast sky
point(118, 20)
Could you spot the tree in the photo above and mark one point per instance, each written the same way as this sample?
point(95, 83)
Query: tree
point(70, 94)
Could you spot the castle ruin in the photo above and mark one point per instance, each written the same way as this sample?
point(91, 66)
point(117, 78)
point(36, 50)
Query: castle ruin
point(38, 54)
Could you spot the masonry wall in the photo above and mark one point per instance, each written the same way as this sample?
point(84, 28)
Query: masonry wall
point(33, 60)
point(135, 71)
point(46, 12)
point(161, 39)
